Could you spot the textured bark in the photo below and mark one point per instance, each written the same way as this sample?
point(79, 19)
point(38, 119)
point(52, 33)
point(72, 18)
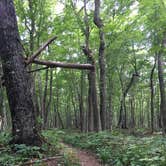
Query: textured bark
point(17, 83)
point(32, 26)
point(102, 83)
point(93, 112)
point(162, 92)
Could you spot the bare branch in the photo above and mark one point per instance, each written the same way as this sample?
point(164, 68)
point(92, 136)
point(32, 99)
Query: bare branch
point(53, 64)
point(38, 52)
point(57, 158)
point(43, 68)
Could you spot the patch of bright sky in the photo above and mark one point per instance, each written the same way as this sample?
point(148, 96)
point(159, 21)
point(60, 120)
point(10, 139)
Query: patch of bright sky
point(134, 9)
point(59, 7)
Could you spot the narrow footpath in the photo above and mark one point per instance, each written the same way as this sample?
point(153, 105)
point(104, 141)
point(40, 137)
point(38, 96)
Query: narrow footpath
point(85, 158)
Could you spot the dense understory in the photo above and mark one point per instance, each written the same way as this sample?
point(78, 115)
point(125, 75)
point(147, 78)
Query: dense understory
point(116, 148)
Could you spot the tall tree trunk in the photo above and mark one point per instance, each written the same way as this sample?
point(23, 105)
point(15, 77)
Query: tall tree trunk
point(45, 99)
point(132, 116)
point(57, 106)
point(48, 108)
point(93, 115)
point(17, 82)
point(162, 92)
point(152, 96)
point(102, 83)
point(122, 123)
point(80, 96)
point(110, 109)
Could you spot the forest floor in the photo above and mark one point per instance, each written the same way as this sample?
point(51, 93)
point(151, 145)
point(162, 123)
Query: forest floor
point(72, 148)
point(85, 158)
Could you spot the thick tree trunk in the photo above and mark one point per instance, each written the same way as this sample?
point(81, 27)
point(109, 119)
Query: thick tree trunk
point(17, 83)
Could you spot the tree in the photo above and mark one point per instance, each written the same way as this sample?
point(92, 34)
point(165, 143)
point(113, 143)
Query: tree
point(102, 85)
point(16, 78)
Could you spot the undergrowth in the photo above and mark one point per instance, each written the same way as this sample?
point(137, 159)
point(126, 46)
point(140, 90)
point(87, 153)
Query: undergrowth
point(23, 153)
point(117, 149)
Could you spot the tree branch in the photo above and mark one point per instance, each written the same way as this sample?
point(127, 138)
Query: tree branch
point(43, 68)
point(97, 20)
point(53, 64)
point(57, 158)
point(38, 52)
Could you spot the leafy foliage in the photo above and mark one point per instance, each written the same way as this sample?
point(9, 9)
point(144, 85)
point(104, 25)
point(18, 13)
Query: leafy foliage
point(18, 154)
point(119, 149)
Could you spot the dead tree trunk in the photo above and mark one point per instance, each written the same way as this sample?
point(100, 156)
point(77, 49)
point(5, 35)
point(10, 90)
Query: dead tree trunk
point(16, 78)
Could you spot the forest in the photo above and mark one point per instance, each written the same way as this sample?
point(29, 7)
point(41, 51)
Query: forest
point(82, 82)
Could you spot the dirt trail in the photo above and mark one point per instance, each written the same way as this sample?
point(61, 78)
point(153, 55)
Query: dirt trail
point(85, 158)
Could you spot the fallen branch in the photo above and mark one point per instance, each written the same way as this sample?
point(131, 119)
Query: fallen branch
point(53, 64)
point(38, 52)
point(42, 160)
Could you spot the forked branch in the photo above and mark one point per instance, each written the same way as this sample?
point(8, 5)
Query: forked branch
point(38, 52)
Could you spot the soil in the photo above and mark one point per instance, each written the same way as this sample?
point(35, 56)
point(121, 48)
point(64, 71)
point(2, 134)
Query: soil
point(86, 158)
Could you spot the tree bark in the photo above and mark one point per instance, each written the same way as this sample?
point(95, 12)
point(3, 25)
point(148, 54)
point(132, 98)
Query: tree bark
point(162, 92)
point(93, 112)
point(53, 64)
point(81, 105)
point(152, 96)
point(44, 100)
point(48, 108)
point(102, 83)
point(17, 82)
point(122, 123)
